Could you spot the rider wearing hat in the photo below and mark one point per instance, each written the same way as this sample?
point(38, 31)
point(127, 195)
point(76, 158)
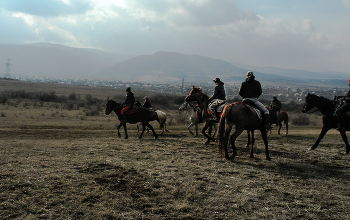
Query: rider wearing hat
point(344, 108)
point(217, 98)
point(276, 105)
point(251, 90)
point(129, 102)
point(146, 103)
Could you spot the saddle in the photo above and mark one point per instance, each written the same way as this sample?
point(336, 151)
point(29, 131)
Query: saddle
point(339, 102)
point(253, 106)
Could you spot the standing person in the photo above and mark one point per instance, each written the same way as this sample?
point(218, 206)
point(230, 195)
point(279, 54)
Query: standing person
point(146, 103)
point(251, 90)
point(344, 108)
point(276, 105)
point(217, 98)
point(129, 102)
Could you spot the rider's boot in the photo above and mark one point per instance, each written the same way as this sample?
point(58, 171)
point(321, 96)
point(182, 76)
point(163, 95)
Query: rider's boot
point(266, 122)
point(123, 118)
point(341, 125)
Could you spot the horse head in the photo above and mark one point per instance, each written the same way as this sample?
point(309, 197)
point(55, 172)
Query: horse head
point(111, 105)
point(183, 106)
point(196, 94)
point(310, 105)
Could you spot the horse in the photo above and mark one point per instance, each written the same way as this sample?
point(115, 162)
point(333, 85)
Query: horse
point(133, 116)
point(244, 117)
point(161, 116)
point(195, 116)
point(201, 98)
point(273, 120)
point(327, 107)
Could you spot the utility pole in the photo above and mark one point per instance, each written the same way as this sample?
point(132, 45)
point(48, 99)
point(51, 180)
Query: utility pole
point(8, 69)
point(182, 88)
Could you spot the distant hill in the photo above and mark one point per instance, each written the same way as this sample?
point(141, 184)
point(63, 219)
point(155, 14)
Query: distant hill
point(53, 60)
point(58, 61)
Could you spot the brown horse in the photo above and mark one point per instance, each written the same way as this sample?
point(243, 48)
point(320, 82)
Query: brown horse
point(283, 119)
point(133, 116)
point(244, 117)
point(201, 98)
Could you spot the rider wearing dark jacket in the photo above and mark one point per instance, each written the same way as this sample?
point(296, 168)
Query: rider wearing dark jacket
point(251, 90)
point(129, 102)
point(217, 98)
point(344, 108)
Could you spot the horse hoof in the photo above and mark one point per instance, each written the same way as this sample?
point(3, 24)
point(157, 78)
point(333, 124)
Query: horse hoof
point(311, 148)
point(125, 137)
point(268, 158)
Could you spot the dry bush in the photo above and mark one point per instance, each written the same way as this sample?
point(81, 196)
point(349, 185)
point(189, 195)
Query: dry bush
point(300, 119)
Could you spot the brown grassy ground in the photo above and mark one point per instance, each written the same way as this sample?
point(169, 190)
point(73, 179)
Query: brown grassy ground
point(60, 164)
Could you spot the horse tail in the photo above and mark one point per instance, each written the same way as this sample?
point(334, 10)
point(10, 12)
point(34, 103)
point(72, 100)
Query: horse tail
point(222, 125)
point(161, 119)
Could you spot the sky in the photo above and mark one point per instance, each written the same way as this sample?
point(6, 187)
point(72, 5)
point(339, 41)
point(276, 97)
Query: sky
point(311, 35)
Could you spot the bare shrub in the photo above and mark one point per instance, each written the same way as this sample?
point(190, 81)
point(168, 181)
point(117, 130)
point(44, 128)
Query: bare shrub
point(300, 119)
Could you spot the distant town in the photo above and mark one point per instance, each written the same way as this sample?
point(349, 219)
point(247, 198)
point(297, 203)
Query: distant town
point(284, 94)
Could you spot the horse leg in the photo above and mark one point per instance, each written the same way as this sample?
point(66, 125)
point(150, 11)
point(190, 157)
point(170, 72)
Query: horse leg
point(279, 128)
point(264, 136)
point(189, 129)
point(224, 143)
point(152, 129)
point(249, 140)
point(251, 153)
point(120, 124)
point(345, 139)
point(206, 126)
point(143, 130)
point(233, 138)
point(322, 134)
point(286, 122)
point(125, 130)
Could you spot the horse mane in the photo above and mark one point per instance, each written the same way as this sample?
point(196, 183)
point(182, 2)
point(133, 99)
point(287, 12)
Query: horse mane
point(197, 89)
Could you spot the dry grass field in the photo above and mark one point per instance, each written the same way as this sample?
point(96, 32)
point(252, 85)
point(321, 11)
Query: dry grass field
point(61, 164)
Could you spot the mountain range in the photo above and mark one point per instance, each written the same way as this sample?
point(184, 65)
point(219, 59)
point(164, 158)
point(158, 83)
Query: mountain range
point(58, 61)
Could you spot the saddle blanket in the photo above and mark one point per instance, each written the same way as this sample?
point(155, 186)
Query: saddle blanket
point(131, 111)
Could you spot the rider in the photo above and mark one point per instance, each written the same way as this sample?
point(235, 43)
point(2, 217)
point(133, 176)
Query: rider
point(251, 90)
point(217, 98)
point(276, 105)
point(146, 103)
point(129, 102)
point(344, 108)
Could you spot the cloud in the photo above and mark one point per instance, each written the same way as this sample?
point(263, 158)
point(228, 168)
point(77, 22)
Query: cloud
point(51, 8)
point(346, 3)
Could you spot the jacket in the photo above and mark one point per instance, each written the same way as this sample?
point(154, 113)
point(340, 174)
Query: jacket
point(250, 88)
point(129, 99)
point(275, 105)
point(219, 92)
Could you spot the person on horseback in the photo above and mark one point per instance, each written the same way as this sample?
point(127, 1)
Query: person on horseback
point(251, 90)
point(218, 98)
point(344, 108)
point(146, 103)
point(129, 103)
point(276, 105)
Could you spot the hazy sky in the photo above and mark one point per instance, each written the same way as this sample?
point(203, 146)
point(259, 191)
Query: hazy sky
point(297, 34)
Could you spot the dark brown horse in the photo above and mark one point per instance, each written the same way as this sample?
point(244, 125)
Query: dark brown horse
point(283, 119)
point(244, 117)
point(326, 107)
point(201, 98)
point(133, 116)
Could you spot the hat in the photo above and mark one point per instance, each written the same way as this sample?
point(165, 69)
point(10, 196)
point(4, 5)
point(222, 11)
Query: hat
point(128, 89)
point(145, 97)
point(250, 74)
point(217, 80)
point(274, 97)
